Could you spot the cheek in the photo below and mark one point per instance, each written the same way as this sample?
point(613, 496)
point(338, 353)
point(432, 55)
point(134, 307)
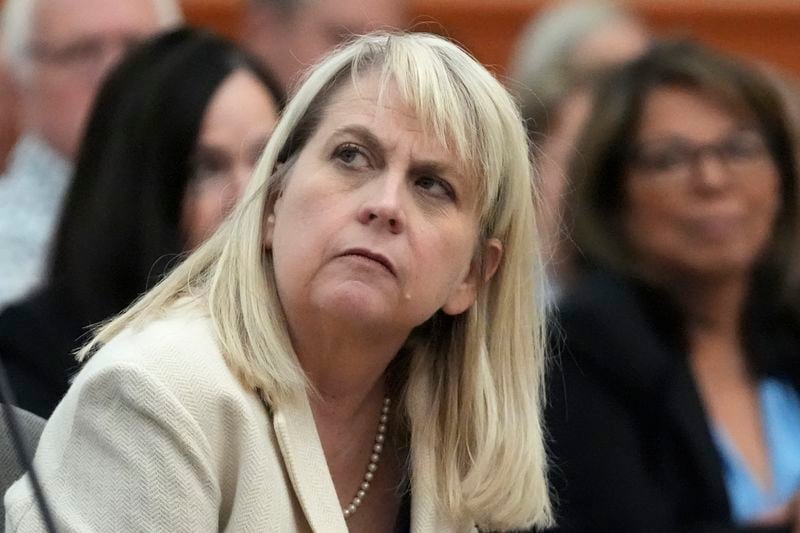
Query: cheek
point(650, 219)
point(767, 199)
point(304, 228)
point(202, 212)
point(443, 260)
point(70, 96)
point(765, 205)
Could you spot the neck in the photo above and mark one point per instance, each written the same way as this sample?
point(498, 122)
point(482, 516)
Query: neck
point(714, 324)
point(346, 366)
point(714, 306)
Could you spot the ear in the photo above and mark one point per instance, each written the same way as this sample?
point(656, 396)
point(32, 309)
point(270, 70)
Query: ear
point(480, 273)
point(269, 231)
point(273, 204)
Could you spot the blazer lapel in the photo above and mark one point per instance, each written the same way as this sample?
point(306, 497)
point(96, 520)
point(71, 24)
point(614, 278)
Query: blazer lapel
point(308, 469)
point(685, 410)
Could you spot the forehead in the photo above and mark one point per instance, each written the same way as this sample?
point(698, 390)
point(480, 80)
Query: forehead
point(380, 108)
point(240, 102)
point(686, 112)
point(63, 20)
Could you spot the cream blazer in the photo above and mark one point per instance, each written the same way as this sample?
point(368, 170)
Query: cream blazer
point(156, 434)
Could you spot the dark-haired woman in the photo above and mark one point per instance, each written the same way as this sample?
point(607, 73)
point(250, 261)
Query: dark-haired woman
point(676, 405)
point(174, 134)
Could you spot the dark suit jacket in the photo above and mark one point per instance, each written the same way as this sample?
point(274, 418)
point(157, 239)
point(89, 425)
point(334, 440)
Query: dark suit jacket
point(37, 337)
point(631, 444)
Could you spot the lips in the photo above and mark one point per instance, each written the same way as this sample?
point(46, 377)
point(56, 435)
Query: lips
point(715, 226)
point(378, 258)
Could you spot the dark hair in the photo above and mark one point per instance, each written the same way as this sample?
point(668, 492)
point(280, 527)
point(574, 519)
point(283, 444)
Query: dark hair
point(598, 172)
point(120, 226)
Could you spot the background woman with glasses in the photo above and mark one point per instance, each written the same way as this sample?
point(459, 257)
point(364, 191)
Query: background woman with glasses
point(675, 406)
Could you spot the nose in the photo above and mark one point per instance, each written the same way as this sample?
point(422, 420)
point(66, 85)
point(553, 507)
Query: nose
point(711, 173)
point(383, 205)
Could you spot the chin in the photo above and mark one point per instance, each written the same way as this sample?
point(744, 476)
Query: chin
point(720, 267)
point(356, 303)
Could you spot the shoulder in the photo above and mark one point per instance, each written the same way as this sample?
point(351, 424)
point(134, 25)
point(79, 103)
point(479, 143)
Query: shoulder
point(156, 415)
point(183, 338)
point(621, 332)
point(40, 327)
point(598, 291)
point(179, 356)
point(36, 345)
point(169, 377)
point(598, 310)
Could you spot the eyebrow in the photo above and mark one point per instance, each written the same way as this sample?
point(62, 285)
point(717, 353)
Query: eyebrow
point(366, 137)
point(371, 141)
point(671, 137)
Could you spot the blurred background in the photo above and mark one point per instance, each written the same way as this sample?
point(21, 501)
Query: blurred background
point(764, 30)
point(759, 29)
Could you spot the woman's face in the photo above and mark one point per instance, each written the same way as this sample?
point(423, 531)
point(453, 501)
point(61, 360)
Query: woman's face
point(702, 190)
point(376, 226)
point(239, 119)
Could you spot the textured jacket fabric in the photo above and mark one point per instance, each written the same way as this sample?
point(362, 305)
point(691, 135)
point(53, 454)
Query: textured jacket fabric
point(11, 467)
point(156, 434)
point(631, 442)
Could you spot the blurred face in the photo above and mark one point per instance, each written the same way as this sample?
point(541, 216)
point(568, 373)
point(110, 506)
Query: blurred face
point(702, 191)
point(74, 44)
point(235, 129)
point(376, 225)
point(314, 29)
point(612, 44)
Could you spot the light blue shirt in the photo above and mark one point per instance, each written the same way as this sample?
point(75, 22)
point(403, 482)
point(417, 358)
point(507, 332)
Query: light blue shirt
point(780, 412)
point(31, 194)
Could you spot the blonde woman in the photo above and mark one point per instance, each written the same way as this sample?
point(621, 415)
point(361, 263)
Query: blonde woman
point(359, 347)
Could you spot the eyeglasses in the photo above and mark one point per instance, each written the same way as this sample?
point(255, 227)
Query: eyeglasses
point(84, 53)
point(675, 158)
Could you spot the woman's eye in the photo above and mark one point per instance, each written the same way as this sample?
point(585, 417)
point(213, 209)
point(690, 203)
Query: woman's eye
point(209, 165)
point(436, 186)
point(351, 155)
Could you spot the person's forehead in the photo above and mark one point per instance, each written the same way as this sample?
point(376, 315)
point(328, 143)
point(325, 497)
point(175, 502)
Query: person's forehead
point(380, 108)
point(367, 108)
point(68, 19)
point(688, 111)
point(368, 93)
point(240, 101)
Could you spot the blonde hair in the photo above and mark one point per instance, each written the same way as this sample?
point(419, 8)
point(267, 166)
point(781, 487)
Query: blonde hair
point(474, 382)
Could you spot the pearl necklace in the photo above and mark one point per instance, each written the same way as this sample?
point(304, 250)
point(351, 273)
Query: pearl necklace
point(377, 448)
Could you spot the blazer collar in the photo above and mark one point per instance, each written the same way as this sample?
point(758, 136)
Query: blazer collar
point(308, 471)
point(305, 462)
point(684, 409)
